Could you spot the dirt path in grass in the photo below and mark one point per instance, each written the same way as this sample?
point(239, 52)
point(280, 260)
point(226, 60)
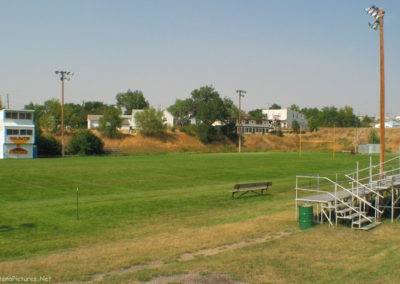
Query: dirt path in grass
point(195, 278)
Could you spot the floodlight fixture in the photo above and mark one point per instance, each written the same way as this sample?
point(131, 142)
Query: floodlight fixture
point(64, 75)
point(374, 26)
point(241, 92)
point(373, 11)
point(377, 14)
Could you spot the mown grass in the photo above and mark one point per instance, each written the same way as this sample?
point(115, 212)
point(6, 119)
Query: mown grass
point(140, 208)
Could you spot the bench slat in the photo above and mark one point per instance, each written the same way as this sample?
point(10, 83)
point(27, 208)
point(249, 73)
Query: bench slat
point(255, 184)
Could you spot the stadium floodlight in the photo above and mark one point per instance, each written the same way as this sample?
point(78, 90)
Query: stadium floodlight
point(373, 26)
point(377, 14)
point(64, 75)
point(373, 11)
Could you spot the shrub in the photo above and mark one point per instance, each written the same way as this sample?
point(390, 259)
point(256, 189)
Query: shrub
point(85, 142)
point(206, 133)
point(373, 137)
point(48, 145)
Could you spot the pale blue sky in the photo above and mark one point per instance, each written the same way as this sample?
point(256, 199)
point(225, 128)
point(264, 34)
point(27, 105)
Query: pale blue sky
point(312, 53)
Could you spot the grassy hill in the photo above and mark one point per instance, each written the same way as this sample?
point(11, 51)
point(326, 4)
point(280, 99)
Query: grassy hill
point(326, 139)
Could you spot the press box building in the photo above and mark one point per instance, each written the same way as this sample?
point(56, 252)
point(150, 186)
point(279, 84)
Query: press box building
point(17, 134)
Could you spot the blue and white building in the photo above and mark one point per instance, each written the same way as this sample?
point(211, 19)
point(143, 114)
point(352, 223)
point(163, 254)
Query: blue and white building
point(17, 134)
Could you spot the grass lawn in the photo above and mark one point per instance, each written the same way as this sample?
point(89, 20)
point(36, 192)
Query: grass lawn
point(151, 217)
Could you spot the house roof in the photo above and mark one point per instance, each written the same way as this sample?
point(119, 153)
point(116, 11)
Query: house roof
point(93, 117)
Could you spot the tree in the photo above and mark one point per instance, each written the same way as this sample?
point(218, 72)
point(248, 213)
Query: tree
point(131, 100)
point(1, 104)
point(366, 121)
point(275, 106)
point(208, 108)
point(36, 116)
point(231, 111)
point(182, 111)
point(110, 122)
point(73, 116)
point(208, 105)
point(85, 142)
point(346, 117)
point(256, 114)
point(46, 116)
point(296, 126)
point(295, 107)
point(95, 107)
point(328, 116)
point(150, 122)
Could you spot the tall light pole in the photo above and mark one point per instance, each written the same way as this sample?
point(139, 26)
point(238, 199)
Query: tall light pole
point(241, 95)
point(377, 14)
point(64, 75)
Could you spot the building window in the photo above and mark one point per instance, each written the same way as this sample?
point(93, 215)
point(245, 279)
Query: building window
point(26, 132)
point(18, 115)
point(12, 115)
point(12, 132)
point(20, 132)
point(25, 115)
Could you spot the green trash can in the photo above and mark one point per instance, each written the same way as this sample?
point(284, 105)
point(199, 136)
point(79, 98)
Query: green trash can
point(306, 215)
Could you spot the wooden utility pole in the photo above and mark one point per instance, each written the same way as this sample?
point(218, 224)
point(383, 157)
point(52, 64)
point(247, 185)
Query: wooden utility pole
point(377, 14)
point(240, 92)
point(382, 92)
point(64, 75)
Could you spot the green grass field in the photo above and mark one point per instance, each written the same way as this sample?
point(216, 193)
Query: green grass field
point(142, 217)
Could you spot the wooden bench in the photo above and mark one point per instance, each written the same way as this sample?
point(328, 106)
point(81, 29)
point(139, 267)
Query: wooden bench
point(255, 187)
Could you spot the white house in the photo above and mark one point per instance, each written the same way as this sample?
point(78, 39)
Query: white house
point(284, 118)
point(93, 121)
point(17, 134)
point(128, 121)
point(389, 124)
point(254, 126)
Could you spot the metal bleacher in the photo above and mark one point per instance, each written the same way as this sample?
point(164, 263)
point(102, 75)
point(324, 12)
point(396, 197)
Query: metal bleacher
point(359, 198)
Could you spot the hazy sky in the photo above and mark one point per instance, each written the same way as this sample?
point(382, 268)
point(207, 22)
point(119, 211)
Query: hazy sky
point(312, 53)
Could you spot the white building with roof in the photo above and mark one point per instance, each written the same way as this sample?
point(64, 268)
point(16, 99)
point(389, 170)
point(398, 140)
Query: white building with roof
point(128, 121)
point(17, 134)
point(285, 117)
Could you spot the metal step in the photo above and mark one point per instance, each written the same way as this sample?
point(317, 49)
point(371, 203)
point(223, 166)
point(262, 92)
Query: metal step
point(360, 221)
point(351, 216)
point(370, 226)
point(344, 211)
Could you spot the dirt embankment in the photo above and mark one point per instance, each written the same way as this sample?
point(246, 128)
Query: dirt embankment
point(341, 139)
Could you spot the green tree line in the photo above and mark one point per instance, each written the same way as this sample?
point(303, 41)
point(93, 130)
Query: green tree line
point(205, 112)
